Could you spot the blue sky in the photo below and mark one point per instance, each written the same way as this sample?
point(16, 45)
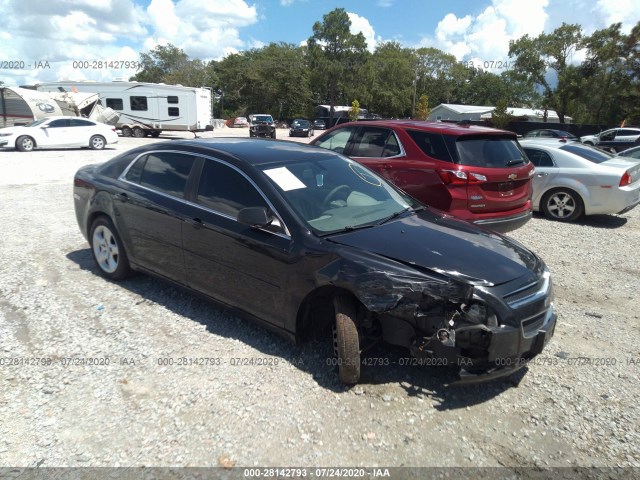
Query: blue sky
point(72, 35)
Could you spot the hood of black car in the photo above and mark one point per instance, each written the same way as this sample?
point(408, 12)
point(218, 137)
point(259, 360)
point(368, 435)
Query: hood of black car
point(448, 246)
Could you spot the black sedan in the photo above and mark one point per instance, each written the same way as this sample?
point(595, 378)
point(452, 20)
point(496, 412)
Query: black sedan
point(301, 128)
point(301, 239)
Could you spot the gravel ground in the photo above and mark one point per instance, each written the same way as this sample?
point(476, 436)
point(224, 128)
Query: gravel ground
point(287, 408)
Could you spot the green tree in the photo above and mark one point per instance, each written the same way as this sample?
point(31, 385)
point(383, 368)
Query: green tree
point(170, 64)
point(500, 117)
point(335, 55)
point(608, 87)
point(393, 80)
point(423, 110)
point(534, 57)
point(354, 113)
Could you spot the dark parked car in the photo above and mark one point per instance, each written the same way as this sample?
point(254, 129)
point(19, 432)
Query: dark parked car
point(300, 238)
point(301, 128)
point(262, 125)
point(551, 133)
point(319, 124)
point(475, 173)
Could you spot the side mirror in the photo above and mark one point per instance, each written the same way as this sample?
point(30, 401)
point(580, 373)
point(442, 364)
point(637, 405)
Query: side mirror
point(254, 217)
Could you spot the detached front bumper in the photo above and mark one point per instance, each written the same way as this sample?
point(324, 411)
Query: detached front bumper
point(505, 349)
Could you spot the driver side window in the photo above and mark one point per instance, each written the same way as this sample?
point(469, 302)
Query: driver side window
point(225, 190)
point(337, 140)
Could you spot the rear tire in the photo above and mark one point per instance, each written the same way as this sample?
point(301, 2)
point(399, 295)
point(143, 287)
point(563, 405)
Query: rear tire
point(25, 143)
point(155, 133)
point(346, 340)
point(562, 204)
point(97, 142)
point(273, 135)
point(138, 132)
point(107, 250)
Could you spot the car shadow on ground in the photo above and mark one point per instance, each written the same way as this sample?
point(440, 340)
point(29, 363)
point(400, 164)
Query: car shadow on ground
point(595, 221)
point(382, 364)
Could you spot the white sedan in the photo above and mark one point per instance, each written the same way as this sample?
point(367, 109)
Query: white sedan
point(572, 179)
point(58, 132)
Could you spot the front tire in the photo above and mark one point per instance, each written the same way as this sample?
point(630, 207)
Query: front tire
point(126, 131)
point(346, 340)
point(97, 142)
point(25, 143)
point(562, 204)
point(107, 250)
point(138, 132)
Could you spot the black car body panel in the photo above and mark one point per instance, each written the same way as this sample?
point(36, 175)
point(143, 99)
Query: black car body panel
point(437, 285)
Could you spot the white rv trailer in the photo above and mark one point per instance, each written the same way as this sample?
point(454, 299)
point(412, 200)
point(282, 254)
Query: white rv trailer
point(147, 108)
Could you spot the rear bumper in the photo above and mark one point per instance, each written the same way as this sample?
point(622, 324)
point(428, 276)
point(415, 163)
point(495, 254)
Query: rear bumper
point(505, 224)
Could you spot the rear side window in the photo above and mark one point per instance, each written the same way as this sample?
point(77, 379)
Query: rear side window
point(490, 152)
point(432, 144)
point(77, 122)
point(375, 142)
point(539, 158)
point(226, 190)
point(592, 154)
point(166, 172)
point(114, 168)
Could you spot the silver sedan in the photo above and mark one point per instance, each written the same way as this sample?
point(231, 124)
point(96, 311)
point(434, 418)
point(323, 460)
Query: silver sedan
point(572, 179)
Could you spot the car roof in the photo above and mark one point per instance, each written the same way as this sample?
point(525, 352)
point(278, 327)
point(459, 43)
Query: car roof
point(254, 151)
point(458, 129)
point(548, 142)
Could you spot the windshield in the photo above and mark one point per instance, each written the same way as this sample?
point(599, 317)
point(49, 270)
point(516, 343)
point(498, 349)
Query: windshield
point(491, 152)
point(36, 123)
point(300, 123)
point(336, 194)
point(594, 155)
point(262, 118)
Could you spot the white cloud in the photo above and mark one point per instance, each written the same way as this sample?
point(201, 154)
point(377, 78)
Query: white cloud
point(361, 25)
point(485, 37)
point(626, 12)
point(385, 3)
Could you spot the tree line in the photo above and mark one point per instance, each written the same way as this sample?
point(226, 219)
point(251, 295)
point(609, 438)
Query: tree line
point(335, 68)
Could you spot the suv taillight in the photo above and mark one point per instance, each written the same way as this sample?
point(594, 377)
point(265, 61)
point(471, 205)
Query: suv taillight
point(460, 177)
point(626, 179)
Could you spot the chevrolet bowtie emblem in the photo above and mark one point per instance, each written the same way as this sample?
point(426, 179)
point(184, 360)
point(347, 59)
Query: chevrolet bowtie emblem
point(513, 176)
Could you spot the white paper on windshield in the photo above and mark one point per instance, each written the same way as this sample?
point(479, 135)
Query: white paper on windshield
point(284, 178)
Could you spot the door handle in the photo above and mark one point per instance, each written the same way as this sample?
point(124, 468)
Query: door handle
point(541, 174)
point(195, 223)
point(386, 166)
point(122, 196)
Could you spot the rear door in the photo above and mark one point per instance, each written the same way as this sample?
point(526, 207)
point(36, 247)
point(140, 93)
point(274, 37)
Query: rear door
point(81, 131)
point(498, 172)
point(546, 171)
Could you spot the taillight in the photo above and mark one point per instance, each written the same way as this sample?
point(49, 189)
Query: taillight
point(626, 179)
point(460, 177)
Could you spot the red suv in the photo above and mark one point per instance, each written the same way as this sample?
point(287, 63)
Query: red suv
point(475, 173)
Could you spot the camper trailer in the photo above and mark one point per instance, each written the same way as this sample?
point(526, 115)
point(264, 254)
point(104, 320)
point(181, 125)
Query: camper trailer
point(147, 108)
point(20, 106)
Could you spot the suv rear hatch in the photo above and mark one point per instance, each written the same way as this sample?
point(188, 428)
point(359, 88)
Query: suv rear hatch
point(498, 173)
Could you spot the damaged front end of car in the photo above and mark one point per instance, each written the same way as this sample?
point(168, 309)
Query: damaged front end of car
point(483, 330)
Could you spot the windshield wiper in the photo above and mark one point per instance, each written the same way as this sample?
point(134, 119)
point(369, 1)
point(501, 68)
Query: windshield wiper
point(395, 215)
point(515, 161)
